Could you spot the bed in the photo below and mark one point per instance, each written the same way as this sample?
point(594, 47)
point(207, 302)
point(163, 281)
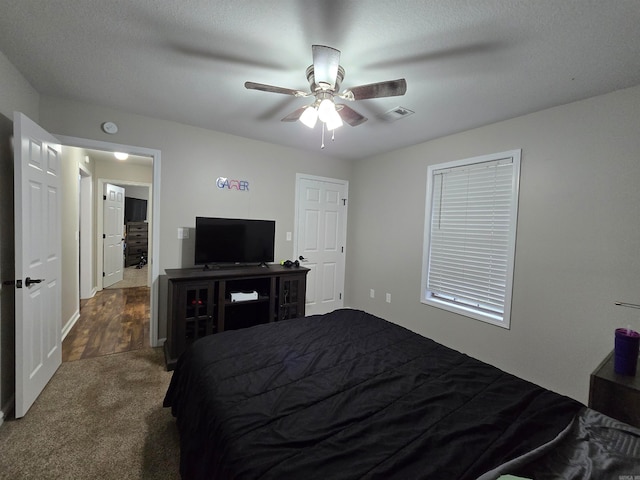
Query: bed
point(348, 395)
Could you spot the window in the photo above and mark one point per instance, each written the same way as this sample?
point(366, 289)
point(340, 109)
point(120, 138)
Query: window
point(470, 234)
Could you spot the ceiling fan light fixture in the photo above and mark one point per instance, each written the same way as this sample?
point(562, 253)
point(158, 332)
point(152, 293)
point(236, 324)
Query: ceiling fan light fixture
point(326, 110)
point(326, 61)
point(334, 121)
point(325, 76)
point(310, 116)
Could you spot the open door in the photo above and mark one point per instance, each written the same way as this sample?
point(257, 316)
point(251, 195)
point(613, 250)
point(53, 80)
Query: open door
point(113, 252)
point(37, 163)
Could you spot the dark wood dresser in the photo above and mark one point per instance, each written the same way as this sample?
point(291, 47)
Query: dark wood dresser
point(202, 302)
point(137, 242)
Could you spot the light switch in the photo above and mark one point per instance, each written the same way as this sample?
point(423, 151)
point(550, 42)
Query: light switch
point(183, 233)
point(288, 236)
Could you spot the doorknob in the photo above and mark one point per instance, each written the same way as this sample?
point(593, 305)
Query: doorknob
point(28, 281)
point(302, 259)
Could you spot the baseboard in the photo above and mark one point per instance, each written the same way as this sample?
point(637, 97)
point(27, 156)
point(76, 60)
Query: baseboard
point(69, 325)
point(6, 408)
point(94, 290)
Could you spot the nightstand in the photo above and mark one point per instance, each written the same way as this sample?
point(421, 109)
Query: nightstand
point(615, 395)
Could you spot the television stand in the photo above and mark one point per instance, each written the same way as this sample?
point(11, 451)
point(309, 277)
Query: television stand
point(199, 301)
point(233, 266)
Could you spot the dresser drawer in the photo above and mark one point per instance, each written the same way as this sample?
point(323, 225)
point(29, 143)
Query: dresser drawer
point(137, 227)
point(136, 242)
point(136, 249)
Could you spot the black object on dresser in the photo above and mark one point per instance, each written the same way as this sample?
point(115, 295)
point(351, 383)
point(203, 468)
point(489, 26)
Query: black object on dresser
point(615, 395)
point(137, 241)
point(200, 302)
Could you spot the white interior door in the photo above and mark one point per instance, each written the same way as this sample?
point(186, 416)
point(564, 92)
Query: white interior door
point(37, 162)
point(321, 232)
point(113, 259)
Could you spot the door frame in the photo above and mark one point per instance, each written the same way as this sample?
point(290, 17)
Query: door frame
point(345, 184)
point(154, 264)
point(100, 221)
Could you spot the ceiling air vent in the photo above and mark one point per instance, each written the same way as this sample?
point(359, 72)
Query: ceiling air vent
point(396, 113)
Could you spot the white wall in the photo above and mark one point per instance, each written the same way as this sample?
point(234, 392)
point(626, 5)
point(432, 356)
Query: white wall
point(16, 93)
point(192, 159)
point(577, 246)
point(134, 191)
point(70, 219)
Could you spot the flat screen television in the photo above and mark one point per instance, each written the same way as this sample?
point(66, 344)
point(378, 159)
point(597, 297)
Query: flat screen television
point(234, 241)
point(135, 209)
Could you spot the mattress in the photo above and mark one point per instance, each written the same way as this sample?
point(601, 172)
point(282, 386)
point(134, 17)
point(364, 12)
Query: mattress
point(348, 395)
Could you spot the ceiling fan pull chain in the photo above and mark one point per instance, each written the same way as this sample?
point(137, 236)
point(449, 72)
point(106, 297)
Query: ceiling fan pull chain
point(333, 134)
point(322, 144)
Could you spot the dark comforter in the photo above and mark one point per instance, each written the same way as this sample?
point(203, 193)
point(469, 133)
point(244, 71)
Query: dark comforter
point(347, 396)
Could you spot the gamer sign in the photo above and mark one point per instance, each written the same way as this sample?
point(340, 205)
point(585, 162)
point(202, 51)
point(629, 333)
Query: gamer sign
point(227, 184)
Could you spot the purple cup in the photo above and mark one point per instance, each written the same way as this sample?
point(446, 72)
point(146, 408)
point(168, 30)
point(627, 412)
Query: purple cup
point(626, 351)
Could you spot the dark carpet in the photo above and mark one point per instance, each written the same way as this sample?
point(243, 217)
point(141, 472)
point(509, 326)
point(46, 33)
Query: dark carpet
point(97, 418)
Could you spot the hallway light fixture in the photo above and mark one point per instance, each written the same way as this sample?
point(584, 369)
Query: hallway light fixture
point(121, 155)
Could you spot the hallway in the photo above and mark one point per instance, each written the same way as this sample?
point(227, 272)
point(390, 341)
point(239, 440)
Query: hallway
point(113, 321)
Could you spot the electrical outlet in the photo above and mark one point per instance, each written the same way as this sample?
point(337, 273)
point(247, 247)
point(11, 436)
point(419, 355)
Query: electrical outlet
point(372, 293)
point(388, 298)
point(183, 233)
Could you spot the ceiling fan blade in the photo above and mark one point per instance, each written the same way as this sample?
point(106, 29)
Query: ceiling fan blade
point(391, 88)
point(349, 115)
point(270, 88)
point(325, 65)
point(295, 115)
point(225, 57)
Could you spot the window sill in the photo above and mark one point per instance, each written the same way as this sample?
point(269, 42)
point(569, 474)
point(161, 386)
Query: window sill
point(467, 312)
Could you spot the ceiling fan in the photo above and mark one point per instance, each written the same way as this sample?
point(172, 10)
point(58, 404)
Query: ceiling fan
point(325, 76)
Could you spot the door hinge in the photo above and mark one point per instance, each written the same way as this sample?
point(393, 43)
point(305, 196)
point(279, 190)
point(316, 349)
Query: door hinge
point(341, 249)
point(104, 235)
point(344, 202)
point(104, 197)
point(340, 295)
point(103, 274)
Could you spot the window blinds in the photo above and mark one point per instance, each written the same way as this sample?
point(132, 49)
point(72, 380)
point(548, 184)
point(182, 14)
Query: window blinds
point(470, 234)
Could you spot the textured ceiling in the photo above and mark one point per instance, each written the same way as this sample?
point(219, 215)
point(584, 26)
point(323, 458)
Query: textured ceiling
point(467, 63)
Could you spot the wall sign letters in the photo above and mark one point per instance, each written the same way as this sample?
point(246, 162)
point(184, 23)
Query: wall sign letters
point(225, 183)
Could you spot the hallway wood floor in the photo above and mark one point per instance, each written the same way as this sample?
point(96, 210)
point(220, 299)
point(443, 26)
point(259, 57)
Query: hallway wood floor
point(113, 321)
